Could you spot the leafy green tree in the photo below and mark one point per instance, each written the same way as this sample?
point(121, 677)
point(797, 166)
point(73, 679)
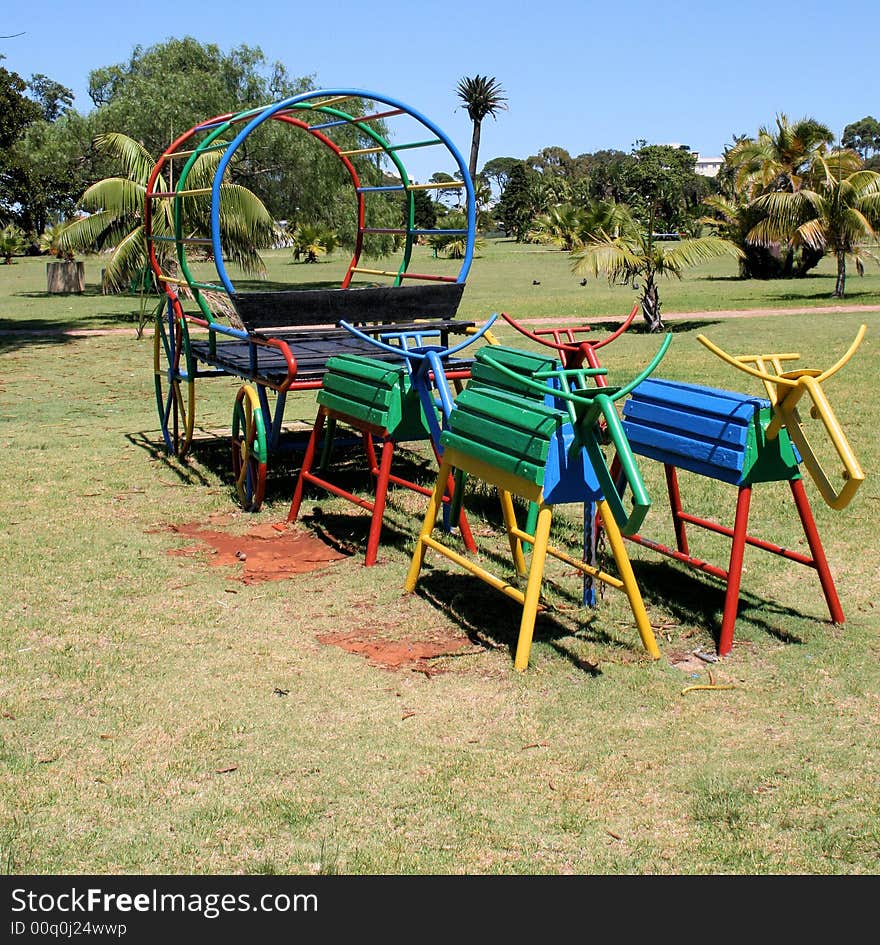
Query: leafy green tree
point(482, 96)
point(832, 213)
point(52, 166)
point(662, 187)
point(424, 210)
point(53, 98)
point(863, 136)
point(17, 112)
point(497, 171)
point(116, 211)
point(515, 209)
point(604, 172)
point(634, 258)
point(552, 161)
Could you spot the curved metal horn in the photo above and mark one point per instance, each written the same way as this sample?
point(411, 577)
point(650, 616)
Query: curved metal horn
point(785, 391)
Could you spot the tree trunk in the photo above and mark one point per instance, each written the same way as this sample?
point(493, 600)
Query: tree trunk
point(651, 306)
point(475, 150)
point(840, 285)
point(66, 278)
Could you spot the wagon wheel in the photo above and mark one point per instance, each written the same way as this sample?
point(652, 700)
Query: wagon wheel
point(249, 448)
point(175, 386)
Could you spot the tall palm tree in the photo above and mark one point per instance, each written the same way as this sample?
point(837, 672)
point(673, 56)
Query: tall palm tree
point(833, 212)
point(632, 257)
point(482, 96)
point(117, 213)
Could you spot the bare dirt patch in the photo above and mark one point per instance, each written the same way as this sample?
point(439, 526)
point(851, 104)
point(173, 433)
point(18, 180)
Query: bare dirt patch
point(416, 655)
point(266, 552)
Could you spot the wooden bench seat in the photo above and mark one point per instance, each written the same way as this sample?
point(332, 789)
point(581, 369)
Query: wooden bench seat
point(307, 324)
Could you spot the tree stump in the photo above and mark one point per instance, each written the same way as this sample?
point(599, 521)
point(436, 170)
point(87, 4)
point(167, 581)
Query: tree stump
point(66, 278)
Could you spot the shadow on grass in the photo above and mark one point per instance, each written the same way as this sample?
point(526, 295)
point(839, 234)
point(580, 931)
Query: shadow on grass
point(696, 599)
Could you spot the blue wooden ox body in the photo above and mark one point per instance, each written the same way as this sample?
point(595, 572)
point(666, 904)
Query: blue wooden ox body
point(711, 432)
point(722, 435)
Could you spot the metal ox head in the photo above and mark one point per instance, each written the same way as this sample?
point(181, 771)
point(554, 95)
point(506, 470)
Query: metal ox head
point(785, 390)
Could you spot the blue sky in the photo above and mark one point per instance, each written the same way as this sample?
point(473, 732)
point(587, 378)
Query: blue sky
point(578, 75)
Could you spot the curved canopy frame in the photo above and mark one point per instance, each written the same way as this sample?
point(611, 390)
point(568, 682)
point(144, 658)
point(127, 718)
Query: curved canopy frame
point(318, 113)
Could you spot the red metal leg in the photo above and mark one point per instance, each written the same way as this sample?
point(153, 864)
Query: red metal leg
point(734, 570)
point(463, 526)
point(370, 450)
point(816, 549)
point(681, 541)
point(308, 459)
point(379, 504)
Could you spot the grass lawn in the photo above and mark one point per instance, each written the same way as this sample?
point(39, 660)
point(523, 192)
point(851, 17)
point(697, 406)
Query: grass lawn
point(501, 279)
point(160, 714)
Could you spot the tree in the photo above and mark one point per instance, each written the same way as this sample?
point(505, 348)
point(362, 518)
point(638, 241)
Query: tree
point(662, 188)
point(862, 136)
point(53, 98)
point(516, 207)
point(779, 160)
point(559, 226)
point(12, 243)
point(424, 210)
point(52, 167)
point(482, 96)
point(17, 112)
point(604, 171)
point(497, 171)
point(311, 241)
point(116, 211)
point(634, 258)
point(552, 161)
point(831, 214)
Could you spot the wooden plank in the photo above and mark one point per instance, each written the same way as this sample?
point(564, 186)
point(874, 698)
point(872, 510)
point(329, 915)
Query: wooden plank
point(707, 400)
point(385, 304)
point(707, 458)
point(732, 431)
point(532, 472)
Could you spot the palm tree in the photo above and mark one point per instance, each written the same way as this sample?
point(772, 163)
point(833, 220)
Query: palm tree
point(831, 214)
point(312, 240)
point(633, 257)
point(12, 243)
point(559, 226)
point(780, 159)
point(482, 96)
point(117, 212)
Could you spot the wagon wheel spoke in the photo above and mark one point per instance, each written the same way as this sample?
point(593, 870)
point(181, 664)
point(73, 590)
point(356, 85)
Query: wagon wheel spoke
point(175, 387)
point(249, 449)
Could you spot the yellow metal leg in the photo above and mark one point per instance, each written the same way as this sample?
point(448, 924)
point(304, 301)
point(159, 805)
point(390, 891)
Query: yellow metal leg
point(533, 588)
point(509, 513)
point(428, 524)
point(624, 567)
